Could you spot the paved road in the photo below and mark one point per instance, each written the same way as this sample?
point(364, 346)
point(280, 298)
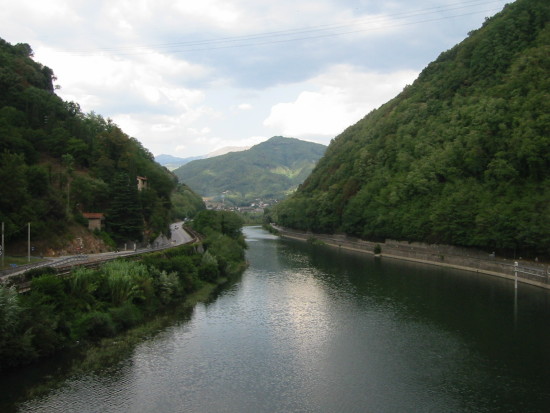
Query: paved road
point(178, 237)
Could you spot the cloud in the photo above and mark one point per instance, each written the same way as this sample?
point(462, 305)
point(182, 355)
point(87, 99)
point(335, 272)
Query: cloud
point(164, 133)
point(200, 75)
point(336, 100)
point(146, 95)
point(151, 79)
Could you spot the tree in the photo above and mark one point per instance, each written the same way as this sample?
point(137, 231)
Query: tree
point(13, 182)
point(68, 162)
point(124, 217)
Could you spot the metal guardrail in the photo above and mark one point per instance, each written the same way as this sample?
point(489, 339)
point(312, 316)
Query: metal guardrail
point(537, 272)
point(47, 263)
point(65, 265)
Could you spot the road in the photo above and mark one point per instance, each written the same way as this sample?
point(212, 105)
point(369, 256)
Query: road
point(178, 236)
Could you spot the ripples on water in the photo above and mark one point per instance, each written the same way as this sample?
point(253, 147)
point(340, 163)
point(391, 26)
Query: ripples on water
point(309, 329)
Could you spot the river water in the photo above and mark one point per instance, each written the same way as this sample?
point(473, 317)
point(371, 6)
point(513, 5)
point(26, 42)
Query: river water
point(313, 329)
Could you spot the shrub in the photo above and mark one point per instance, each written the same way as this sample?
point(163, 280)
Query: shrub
point(126, 316)
point(94, 325)
point(208, 271)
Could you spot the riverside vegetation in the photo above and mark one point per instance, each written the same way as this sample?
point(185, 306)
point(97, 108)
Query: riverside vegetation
point(92, 304)
point(460, 157)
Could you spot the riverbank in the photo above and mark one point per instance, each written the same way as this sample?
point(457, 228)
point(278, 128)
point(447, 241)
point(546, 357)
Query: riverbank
point(528, 272)
point(41, 377)
point(109, 350)
point(57, 313)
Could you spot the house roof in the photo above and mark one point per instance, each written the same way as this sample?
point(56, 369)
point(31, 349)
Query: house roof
point(93, 215)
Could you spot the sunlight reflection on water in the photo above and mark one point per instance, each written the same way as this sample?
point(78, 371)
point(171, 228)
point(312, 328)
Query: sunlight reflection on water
point(309, 329)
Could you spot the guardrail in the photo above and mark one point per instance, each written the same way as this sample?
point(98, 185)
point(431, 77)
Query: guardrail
point(65, 265)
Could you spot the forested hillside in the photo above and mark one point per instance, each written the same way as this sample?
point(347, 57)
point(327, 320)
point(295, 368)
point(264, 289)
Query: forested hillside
point(271, 169)
point(57, 163)
point(462, 156)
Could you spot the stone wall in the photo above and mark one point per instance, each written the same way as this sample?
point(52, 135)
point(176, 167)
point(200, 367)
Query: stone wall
point(443, 255)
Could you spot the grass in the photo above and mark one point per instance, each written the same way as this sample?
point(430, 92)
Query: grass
point(315, 241)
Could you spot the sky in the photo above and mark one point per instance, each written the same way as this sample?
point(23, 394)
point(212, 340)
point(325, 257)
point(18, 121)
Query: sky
point(188, 77)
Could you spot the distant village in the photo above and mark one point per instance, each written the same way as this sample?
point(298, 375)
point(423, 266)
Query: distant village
point(257, 206)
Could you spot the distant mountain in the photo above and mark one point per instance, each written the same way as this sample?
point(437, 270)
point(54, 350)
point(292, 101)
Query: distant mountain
point(271, 169)
point(461, 156)
point(173, 162)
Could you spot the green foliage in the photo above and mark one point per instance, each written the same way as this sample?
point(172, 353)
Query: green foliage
point(314, 241)
point(185, 203)
point(9, 310)
point(228, 252)
point(461, 157)
point(209, 268)
point(82, 286)
point(37, 272)
point(125, 215)
point(271, 169)
point(126, 281)
point(92, 304)
point(126, 316)
point(105, 237)
point(168, 286)
point(55, 160)
point(224, 222)
point(94, 326)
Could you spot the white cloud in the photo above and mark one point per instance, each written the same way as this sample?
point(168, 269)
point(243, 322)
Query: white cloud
point(256, 73)
point(152, 79)
point(336, 100)
point(219, 12)
point(163, 133)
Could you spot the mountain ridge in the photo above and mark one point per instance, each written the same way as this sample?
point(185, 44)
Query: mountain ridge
point(461, 156)
point(270, 169)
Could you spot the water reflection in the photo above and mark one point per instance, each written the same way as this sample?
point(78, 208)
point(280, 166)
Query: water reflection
point(314, 329)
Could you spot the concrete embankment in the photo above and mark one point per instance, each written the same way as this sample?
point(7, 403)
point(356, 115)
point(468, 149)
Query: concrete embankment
point(466, 259)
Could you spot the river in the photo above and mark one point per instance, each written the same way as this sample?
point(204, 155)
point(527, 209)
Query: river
point(313, 329)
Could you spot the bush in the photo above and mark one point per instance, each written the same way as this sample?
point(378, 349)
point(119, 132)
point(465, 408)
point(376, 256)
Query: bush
point(106, 238)
point(94, 326)
point(208, 271)
point(38, 272)
point(126, 316)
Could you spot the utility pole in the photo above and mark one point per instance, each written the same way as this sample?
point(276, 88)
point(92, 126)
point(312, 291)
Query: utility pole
point(29, 243)
point(2, 248)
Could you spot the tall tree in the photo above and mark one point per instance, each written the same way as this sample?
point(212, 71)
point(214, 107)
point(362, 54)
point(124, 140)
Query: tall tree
point(124, 217)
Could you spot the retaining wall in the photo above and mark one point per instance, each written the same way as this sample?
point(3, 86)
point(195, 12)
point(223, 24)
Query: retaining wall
point(443, 255)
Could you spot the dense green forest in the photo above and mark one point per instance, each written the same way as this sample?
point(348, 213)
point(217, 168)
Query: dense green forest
point(461, 156)
point(57, 162)
point(271, 169)
point(91, 304)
